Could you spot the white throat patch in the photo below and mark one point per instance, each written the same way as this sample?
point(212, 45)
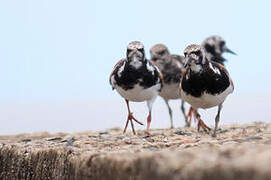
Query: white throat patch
point(136, 63)
point(150, 68)
point(196, 67)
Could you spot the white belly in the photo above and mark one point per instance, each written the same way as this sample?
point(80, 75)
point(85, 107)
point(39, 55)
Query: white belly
point(206, 100)
point(138, 93)
point(170, 91)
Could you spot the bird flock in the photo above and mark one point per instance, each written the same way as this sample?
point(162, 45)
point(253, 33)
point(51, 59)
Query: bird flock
point(198, 78)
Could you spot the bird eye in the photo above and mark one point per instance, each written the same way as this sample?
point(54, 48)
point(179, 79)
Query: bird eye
point(154, 59)
point(185, 54)
point(222, 43)
point(197, 53)
point(141, 50)
point(161, 53)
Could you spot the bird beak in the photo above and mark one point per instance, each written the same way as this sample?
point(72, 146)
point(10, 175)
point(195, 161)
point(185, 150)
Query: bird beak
point(230, 51)
point(187, 61)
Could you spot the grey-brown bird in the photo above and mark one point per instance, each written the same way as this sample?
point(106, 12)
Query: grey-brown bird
point(204, 83)
point(171, 67)
point(214, 47)
point(136, 79)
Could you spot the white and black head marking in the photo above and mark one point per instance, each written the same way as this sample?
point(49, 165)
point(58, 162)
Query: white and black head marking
point(135, 69)
point(215, 46)
point(135, 51)
point(159, 51)
point(194, 57)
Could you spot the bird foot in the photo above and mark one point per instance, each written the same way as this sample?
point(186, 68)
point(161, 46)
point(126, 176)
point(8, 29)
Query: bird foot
point(187, 123)
point(130, 119)
point(214, 135)
point(202, 125)
point(148, 134)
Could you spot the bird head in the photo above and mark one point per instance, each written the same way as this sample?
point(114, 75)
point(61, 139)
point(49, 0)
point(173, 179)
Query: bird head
point(215, 46)
point(135, 52)
point(159, 51)
point(195, 57)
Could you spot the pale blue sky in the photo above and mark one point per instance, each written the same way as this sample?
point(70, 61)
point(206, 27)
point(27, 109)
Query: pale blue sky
point(64, 50)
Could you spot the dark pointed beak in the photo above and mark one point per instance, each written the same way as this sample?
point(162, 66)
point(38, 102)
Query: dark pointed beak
point(230, 51)
point(187, 61)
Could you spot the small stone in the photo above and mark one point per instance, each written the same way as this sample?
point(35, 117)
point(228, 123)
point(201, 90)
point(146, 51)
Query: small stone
point(182, 133)
point(222, 130)
point(102, 133)
point(145, 137)
point(55, 139)
point(253, 138)
point(26, 140)
point(70, 141)
point(149, 139)
point(128, 142)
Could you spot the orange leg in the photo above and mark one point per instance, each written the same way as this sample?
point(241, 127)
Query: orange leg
point(189, 117)
point(148, 124)
point(130, 118)
point(201, 124)
point(187, 124)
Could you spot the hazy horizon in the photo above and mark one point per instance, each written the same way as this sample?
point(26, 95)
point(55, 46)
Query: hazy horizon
point(84, 115)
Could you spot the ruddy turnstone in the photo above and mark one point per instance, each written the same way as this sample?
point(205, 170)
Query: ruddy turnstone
point(171, 66)
point(214, 47)
point(136, 79)
point(204, 83)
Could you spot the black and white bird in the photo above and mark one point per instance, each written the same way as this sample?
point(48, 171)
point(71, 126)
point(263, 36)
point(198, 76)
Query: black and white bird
point(171, 67)
point(136, 79)
point(204, 83)
point(214, 47)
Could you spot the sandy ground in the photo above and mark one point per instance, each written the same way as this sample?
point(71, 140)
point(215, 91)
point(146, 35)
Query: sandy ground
point(238, 152)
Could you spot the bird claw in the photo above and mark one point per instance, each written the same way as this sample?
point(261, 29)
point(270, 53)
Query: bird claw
point(202, 125)
point(148, 134)
point(131, 117)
